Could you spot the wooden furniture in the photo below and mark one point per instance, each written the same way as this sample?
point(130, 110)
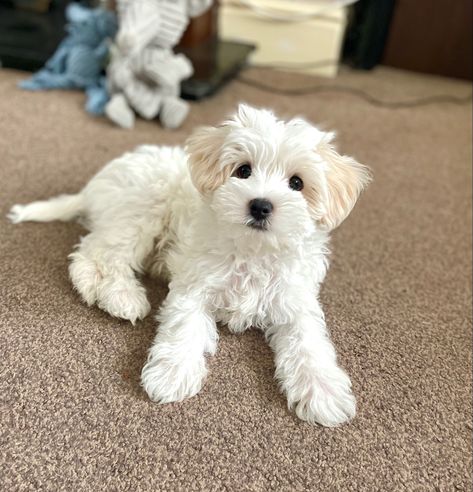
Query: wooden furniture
point(432, 36)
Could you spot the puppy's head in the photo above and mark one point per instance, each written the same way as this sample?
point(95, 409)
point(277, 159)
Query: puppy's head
point(267, 179)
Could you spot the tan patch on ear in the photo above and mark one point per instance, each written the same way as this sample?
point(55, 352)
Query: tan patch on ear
point(204, 148)
point(346, 179)
point(313, 198)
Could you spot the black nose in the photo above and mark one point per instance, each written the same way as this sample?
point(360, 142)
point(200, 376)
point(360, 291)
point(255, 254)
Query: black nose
point(260, 208)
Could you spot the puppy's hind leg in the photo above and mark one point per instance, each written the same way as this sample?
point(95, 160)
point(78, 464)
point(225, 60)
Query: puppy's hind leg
point(63, 207)
point(84, 269)
point(102, 270)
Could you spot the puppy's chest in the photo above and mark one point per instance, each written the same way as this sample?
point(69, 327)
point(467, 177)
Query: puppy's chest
point(252, 291)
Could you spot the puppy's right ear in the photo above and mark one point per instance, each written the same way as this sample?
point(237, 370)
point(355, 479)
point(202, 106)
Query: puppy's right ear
point(204, 153)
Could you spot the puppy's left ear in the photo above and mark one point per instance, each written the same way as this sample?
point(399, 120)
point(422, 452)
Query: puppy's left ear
point(204, 149)
point(345, 180)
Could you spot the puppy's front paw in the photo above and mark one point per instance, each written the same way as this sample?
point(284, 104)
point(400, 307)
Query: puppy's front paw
point(167, 377)
point(327, 398)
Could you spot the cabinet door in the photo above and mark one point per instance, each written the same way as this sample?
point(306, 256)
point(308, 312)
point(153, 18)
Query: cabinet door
point(433, 36)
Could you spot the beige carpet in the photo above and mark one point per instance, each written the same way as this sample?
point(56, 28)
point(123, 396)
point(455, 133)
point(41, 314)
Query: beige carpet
point(397, 298)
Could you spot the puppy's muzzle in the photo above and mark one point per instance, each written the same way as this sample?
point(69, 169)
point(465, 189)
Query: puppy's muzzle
point(260, 211)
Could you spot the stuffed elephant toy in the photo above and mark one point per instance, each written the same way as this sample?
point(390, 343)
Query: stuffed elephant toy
point(144, 75)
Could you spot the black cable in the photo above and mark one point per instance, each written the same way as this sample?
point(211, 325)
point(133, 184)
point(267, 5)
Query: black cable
point(314, 89)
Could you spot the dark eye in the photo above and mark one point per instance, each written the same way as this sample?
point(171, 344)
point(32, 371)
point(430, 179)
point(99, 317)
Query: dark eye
point(296, 183)
point(243, 172)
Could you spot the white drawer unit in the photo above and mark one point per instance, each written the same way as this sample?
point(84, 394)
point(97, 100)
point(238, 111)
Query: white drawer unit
point(298, 33)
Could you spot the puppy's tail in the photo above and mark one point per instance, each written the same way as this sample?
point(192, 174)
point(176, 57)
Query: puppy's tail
point(62, 207)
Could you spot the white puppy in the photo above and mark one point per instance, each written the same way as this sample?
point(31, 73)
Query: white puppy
point(239, 221)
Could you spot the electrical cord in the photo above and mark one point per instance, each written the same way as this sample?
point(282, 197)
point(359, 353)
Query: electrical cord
point(298, 65)
point(314, 89)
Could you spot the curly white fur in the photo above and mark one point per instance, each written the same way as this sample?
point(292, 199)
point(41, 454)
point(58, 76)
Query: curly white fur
point(186, 214)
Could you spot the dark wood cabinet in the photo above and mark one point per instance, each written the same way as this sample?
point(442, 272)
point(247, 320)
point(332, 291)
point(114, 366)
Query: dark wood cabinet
point(432, 36)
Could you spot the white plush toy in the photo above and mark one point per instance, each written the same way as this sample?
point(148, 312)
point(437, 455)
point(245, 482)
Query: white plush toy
point(144, 74)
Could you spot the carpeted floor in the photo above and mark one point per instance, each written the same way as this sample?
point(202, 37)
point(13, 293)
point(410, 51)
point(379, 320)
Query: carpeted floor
point(397, 298)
